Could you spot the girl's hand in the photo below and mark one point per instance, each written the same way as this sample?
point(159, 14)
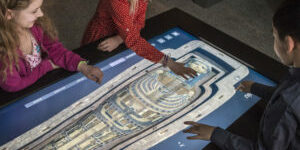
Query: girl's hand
point(53, 65)
point(202, 131)
point(91, 72)
point(245, 86)
point(110, 44)
point(179, 69)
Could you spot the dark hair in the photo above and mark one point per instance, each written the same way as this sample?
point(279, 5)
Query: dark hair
point(286, 19)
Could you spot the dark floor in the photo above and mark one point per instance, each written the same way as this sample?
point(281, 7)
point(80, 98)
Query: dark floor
point(246, 20)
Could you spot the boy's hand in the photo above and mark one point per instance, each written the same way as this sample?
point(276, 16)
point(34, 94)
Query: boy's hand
point(202, 131)
point(110, 44)
point(91, 72)
point(180, 69)
point(245, 86)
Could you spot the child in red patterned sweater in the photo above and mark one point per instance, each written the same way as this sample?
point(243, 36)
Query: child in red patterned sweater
point(123, 20)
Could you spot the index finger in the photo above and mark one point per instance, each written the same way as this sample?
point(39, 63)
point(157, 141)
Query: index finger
point(183, 75)
point(103, 47)
point(196, 137)
point(192, 130)
point(98, 80)
point(98, 75)
point(103, 42)
point(239, 87)
point(191, 123)
point(190, 72)
point(194, 72)
point(92, 77)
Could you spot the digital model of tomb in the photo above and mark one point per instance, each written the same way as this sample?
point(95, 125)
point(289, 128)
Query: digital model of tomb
point(142, 106)
point(143, 103)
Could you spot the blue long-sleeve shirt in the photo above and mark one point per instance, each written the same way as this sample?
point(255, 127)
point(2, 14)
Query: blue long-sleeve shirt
point(279, 126)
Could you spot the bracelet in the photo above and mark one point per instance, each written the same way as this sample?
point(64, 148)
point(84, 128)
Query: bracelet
point(81, 62)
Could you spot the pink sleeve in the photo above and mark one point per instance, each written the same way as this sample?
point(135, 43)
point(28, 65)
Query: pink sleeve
point(15, 82)
point(60, 55)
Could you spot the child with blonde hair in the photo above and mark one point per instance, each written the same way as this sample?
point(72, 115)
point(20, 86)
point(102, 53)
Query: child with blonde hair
point(123, 20)
point(29, 47)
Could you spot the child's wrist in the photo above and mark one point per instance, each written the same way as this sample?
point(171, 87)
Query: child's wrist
point(119, 39)
point(81, 64)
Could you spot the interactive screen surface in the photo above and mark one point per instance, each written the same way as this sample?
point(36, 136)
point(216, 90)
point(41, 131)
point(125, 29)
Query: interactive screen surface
point(139, 105)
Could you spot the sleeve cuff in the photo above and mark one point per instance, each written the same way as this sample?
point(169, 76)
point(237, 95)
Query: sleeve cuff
point(219, 137)
point(48, 65)
point(260, 90)
point(80, 63)
point(255, 87)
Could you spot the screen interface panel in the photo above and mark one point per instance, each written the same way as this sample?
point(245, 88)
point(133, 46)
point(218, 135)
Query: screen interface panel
point(139, 105)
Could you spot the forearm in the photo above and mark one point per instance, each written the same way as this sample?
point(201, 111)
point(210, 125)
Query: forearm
point(61, 56)
point(15, 82)
point(142, 48)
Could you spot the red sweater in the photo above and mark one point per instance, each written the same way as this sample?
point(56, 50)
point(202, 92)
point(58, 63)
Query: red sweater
point(112, 17)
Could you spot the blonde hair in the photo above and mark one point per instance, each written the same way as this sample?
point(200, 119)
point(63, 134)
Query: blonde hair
point(9, 40)
point(133, 4)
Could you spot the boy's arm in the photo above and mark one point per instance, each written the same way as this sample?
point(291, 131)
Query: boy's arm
point(262, 91)
point(228, 141)
point(223, 139)
point(14, 82)
point(281, 137)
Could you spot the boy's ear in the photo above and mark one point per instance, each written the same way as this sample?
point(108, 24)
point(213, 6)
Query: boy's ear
point(9, 14)
point(290, 43)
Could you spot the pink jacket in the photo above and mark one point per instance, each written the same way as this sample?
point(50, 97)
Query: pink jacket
point(23, 77)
